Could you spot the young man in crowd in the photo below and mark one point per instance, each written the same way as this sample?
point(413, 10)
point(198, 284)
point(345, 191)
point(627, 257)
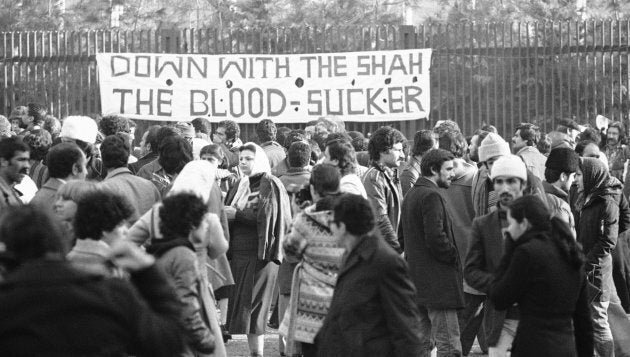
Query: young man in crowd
point(373, 310)
point(298, 174)
point(615, 149)
point(227, 135)
point(66, 162)
point(140, 192)
point(509, 178)
point(560, 169)
point(524, 144)
point(381, 185)
point(266, 131)
point(340, 153)
point(14, 166)
point(433, 256)
point(423, 141)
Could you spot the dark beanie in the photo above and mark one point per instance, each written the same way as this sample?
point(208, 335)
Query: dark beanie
point(563, 160)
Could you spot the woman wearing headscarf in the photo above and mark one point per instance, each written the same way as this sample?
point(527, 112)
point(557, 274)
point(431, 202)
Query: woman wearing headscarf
point(198, 178)
point(542, 271)
point(597, 225)
point(259, 212)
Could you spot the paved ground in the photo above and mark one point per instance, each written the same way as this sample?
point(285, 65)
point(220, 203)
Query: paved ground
point(238, 346)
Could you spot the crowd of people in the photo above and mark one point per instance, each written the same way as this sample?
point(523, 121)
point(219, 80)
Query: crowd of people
point(351, 244)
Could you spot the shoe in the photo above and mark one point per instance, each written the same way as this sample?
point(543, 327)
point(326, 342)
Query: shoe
point(226, 335)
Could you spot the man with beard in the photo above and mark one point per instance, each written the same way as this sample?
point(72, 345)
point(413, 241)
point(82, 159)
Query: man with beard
point(509, 177)
point(382, 185)
point(14, 166)
point(617, 153)
point(432, 254)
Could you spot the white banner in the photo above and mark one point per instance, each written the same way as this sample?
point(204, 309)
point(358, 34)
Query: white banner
point(355, 86)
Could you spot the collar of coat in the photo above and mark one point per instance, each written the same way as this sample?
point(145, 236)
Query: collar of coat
point(46, 271)
point(363, 250)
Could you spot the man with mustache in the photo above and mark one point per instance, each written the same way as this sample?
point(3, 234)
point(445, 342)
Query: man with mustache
point(509, 178)
point(382, 185)
point(435, 266)
point(14, 166)
point(617, 153)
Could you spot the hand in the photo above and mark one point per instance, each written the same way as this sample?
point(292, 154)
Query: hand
point(230, 212)
point(128, 256)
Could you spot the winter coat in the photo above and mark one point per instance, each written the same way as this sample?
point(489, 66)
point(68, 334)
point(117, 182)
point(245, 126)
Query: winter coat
point(373, 311)
point(409, 175)
point(483, 258)
point(180, 264)
point(430, 248)
point(383, 192)
point(50, 308)
point(598, 225)
point(555, 318)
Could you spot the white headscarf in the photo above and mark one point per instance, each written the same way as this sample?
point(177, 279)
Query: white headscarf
point(197, 177)
point(261, 164)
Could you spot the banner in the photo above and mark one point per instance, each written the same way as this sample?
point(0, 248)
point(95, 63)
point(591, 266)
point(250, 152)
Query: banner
point(354, 86)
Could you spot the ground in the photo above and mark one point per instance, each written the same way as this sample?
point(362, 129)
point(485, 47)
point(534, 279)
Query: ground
point(237, 347)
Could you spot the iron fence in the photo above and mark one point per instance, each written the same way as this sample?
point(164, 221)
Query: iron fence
point(491, 73)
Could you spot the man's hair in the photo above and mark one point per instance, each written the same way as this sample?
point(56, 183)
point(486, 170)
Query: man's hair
point(214, 150)
point(344, 153)
point(293, 136)
point(115, 151)
point(360, 144)
point(544, 144)
point(552, 175)
point(161, 135)
point(151, 138)
point(39, 141)
point(281, 135)
point(232, 130)
point(338, 137)
point(433, 160)
point(581, 145)
point(114, 124)
point(28, 233)
point(52, 125)
point(201, 125)
point(180, 214)
point(355, 212)
point(382, 140)
point(38, 112)
point(316, 151)
point(175, 153)
point(446, 125)
point(75, 190)
point(266, 130)
point(61, 158)
point(9, 146)
point(100, 211)
point(423, 141)
point(566, 125)
point(455, 142)
point(299, 154)
point(591, 134)
point(325, 179)
point(529, 132)
point(489, 128)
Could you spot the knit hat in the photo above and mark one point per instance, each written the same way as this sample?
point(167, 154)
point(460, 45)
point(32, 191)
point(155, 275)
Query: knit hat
point(509, 165)
point(563, 160)
point(493, 145)
point(79, 128)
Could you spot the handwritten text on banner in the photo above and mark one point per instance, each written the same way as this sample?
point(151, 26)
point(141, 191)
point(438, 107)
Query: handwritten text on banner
point(356, 86)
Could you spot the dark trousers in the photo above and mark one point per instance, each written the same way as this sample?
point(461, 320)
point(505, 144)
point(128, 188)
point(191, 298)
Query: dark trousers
point(470, 323)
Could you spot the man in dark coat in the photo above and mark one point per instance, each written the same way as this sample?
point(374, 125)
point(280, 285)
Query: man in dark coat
point(372, 312)
point(509, 177)
point(597, 223)
point(432, 254)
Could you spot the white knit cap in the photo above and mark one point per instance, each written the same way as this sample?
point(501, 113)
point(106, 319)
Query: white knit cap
point(493, 145)
point(79, 128)
point(510, 166)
